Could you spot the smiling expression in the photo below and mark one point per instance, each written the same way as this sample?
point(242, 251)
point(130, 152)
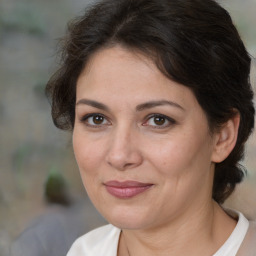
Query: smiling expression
point(141, 141)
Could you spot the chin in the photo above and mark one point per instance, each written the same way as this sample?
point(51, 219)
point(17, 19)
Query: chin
point(128, 224)
point(127, 218)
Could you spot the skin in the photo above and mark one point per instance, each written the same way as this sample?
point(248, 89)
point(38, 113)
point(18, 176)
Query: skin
point(118, 139)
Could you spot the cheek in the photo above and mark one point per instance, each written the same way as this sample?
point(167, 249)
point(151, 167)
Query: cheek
point(183, 169)
point(88, 157)
point(87, 153)
point(179, 155)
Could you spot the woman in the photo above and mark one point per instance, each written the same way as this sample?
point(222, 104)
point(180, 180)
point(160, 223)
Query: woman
point(158, 98)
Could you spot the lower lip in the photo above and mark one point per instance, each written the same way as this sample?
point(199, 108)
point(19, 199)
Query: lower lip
point(126, 192)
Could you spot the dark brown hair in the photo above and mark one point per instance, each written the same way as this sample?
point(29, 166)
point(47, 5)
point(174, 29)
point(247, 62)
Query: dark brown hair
point(193, 42)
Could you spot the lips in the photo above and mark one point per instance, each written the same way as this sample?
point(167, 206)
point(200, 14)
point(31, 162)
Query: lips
point(126, 189)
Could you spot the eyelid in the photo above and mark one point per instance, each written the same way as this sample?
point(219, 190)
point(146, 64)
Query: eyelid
point(169, 119)
point(84, 118)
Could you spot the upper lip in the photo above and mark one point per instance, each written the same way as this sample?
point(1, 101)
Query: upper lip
point(125, 184)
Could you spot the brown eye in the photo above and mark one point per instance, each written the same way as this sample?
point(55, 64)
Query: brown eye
point(98, 120)
point(95, 120)
point(159, 120)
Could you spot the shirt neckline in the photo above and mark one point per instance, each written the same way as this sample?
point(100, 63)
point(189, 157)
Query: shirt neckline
point(233, 243)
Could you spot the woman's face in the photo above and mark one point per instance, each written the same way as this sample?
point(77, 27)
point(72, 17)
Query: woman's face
point(141, 142)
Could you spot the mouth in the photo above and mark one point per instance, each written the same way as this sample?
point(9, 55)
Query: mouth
point(126, 189)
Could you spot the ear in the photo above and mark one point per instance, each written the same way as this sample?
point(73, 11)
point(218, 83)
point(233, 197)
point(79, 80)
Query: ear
point(225, 139)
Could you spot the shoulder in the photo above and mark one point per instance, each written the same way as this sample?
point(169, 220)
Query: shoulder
point(98, 242)
point(248, 246)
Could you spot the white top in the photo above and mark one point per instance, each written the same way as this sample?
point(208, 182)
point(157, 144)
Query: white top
point(103, 241)
point(232, 245)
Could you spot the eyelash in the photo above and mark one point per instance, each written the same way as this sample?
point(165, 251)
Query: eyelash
point(166, 118)
point(170, 121)
point(85, 119)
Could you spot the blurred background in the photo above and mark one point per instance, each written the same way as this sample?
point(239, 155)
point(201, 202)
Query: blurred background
point(36, 159)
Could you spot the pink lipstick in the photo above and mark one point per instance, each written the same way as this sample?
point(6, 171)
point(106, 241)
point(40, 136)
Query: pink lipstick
point(126, 189)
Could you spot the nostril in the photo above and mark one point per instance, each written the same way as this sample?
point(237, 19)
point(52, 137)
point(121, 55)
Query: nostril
point(124, 160)
point(128, 165)
point(123, 152)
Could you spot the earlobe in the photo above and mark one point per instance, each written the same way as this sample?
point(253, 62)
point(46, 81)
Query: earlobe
point(225, 139)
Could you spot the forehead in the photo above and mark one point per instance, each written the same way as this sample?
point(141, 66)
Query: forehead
point(117, 74)
point(108, 60)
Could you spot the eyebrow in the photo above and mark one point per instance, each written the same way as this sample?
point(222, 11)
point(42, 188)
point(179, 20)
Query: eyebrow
point(152, 104)
point(93, 103)
point(140, 107)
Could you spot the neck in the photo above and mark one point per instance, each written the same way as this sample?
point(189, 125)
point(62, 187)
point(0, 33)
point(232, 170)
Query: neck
point(210, 225)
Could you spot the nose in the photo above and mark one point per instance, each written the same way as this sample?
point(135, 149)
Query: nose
point(123, 152)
